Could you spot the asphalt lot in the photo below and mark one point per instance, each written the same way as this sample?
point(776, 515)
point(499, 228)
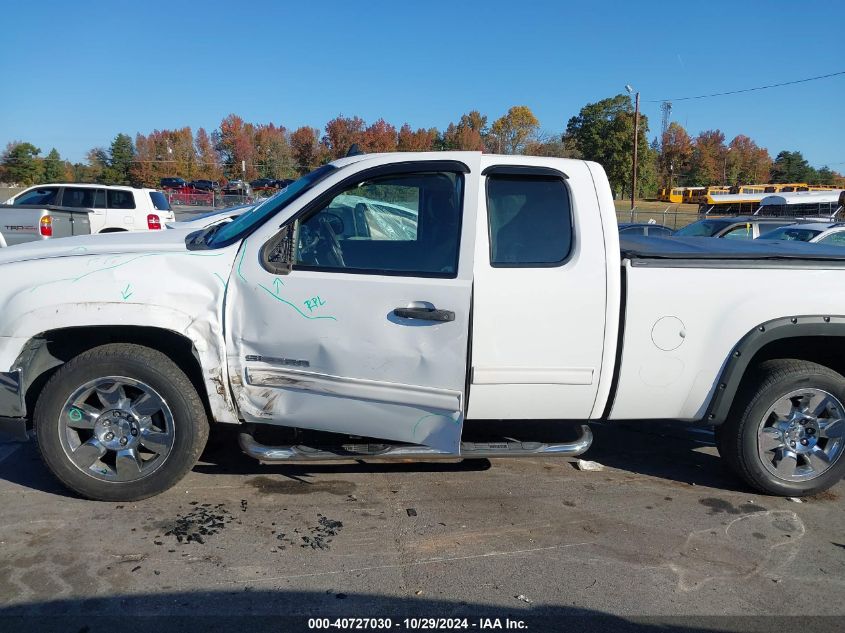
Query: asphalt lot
point(661, 531)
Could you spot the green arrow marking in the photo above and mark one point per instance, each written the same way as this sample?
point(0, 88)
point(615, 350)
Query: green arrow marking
point(126, 292)
point(277, 284)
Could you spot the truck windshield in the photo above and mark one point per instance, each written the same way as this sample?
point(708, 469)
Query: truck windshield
point(248, 221)
point(791, 234)
point(702, 228)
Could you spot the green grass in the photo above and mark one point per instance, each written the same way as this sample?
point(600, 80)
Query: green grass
point(674, 216)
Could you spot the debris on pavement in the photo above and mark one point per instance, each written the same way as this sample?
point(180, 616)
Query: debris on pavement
point(202, 521)
point(523, 598)
point(320, 537)
point(411, 512)
point(795, 499)
point(586, 465)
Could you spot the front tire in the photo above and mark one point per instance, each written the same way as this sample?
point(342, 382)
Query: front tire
point(120, 422)
point(784, 435)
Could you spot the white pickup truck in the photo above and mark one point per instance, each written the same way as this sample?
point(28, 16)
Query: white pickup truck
point(50, 211)
point(388, 305)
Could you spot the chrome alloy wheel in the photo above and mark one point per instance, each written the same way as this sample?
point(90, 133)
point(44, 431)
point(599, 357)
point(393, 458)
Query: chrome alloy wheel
point(801, 435)
point(116, 429)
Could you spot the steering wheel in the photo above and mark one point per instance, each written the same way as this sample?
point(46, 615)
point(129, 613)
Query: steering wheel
point(334, 251)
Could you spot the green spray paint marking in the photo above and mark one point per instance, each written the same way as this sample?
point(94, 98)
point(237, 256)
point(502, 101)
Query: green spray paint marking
point(276, 283)
point(314, 303)
point(75, 415)
point(126, 292)
point(286, 302)
point(222, 281)
point(240, 263)
point(73, 280)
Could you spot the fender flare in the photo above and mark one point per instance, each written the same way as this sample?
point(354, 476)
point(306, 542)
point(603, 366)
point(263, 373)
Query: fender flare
point(736, 365)
point(206, 339)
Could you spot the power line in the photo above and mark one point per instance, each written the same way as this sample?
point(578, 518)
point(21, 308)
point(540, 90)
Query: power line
point(734, 92)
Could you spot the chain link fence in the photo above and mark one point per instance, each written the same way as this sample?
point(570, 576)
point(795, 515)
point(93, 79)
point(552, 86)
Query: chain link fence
point(207, 199)
point(671, 218)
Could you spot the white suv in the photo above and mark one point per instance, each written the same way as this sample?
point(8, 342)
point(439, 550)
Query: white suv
point(111, 208)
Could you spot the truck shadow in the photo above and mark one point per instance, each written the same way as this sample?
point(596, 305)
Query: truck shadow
point(669, 452)
point(664, 450)
point(284, 610)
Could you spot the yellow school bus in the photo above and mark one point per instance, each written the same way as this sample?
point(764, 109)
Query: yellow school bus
point(675, 194)
point(701, 194)
point(691, 194)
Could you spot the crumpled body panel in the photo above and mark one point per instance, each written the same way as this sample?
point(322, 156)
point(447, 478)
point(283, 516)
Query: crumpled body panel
point(124, 280)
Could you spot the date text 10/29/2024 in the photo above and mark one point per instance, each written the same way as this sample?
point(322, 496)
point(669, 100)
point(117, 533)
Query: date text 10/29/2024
point(423, 624)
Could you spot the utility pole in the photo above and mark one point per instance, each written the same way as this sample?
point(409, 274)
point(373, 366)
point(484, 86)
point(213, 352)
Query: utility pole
point(636, 142)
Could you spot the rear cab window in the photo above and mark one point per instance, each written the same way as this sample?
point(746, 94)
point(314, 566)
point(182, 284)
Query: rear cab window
point(530, 220)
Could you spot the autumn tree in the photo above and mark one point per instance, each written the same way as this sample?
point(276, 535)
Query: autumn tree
point(273, 152)
point(462, 139)
point(510, 133)
point(604, 132)
point(747, 162)
point(675, 155)
point(379, 137)
point(236, 147)
point(54, 167)
point(208, 163)
point(420, 141)
point(468, 134)
point(21, 164)
point(341, 133)
point(709, 159)
point(474, 120)
point(306, 148)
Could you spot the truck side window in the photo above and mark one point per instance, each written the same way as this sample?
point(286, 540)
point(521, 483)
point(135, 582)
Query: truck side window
point(81, 197)
point(530, 221)
point(407, 224)
point(42, 195)
point(120, 199)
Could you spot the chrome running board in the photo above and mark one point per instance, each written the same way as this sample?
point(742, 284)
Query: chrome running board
point(469, 450)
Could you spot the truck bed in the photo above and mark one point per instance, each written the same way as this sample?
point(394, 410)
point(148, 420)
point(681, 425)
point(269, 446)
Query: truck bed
point(658, 251)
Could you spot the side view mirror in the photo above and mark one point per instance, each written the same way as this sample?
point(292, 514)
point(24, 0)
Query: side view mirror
point(280, 252)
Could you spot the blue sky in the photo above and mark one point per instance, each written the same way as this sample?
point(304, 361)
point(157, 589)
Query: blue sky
point(77, 73)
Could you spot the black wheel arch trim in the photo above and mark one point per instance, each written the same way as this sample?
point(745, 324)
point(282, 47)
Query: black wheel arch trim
point(755, 340)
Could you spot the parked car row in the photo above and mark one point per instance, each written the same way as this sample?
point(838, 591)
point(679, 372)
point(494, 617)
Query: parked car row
point(181, 183)
point(747, 228)
point(175, 183)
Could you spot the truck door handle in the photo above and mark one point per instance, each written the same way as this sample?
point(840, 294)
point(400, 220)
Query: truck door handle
point(425, 314)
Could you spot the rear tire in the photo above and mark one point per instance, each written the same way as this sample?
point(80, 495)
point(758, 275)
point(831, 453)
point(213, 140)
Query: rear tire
point(784, 435)
point(120, 422)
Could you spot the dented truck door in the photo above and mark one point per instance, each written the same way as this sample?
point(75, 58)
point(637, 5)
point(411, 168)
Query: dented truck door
point(354, 316)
